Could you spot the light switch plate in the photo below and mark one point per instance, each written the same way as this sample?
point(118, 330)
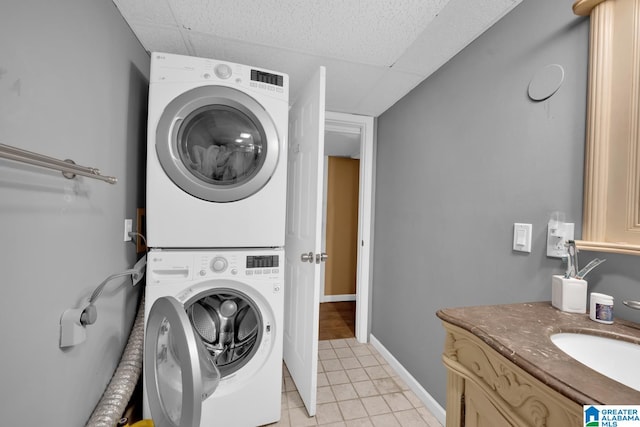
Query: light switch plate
point(522, 237)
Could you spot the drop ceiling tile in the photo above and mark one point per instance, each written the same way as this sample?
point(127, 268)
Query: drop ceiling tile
point(375, 51)
point(146, 11)
point(372, 32)
point(161, 39)
point(458, 24)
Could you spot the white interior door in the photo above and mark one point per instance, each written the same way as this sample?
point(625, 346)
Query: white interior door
point(303, 237)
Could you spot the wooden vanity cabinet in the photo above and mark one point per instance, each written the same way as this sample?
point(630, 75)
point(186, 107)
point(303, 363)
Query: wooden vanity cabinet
point(485, 389)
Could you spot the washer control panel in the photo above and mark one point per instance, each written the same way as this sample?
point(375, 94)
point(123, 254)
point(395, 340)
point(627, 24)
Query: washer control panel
point(219, 264)
point(178, 266)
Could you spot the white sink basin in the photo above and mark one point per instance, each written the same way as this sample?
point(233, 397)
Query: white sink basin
point(613, 358)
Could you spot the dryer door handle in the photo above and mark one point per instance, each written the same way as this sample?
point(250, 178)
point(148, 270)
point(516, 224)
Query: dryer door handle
point(307, 257)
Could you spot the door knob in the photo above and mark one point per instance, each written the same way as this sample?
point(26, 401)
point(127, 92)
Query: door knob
point(307, 257)
point(321, 257)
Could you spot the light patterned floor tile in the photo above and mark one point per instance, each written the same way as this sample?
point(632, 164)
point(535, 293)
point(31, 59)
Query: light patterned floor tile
point(339, 343)
point(344, 352)
point(360, 422)
point(298, 417)
point(352, 409)
point(322, 379)
point(385, 420)
point(356, 388)
point(365, 388)
point(410, 418)
point(289, 385)
point(328, 413)
point(352, 342)
point(376, 372)
point(325, 395)
point(357, 374)
point(327, 354)
point(381, 359)
point(375, 405)
point(337, 377)
point(368, 360)
point(350, 363)
point(332, 365)
point(428, 417)
point(390, 370)
point(324, 345)
point(400, 383)
point(386, 385)
point(293, 399)
point(361, 350)
point(397, 402)
point(344, 392)
point(411, 396)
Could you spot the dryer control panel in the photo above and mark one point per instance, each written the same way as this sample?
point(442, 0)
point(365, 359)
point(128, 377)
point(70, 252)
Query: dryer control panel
point(172, 68)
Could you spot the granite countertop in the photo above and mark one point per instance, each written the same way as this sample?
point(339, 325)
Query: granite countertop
point(520, 332)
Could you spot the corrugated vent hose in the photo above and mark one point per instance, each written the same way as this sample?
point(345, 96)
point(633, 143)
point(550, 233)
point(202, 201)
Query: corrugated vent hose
point(114, 401)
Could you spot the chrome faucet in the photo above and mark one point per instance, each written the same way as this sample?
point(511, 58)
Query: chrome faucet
point(632, 304)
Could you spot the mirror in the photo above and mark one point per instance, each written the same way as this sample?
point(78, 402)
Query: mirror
point(611, 215)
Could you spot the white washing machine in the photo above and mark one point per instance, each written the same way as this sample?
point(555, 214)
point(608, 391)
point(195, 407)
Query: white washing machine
point(216, 154)
point(224, 308)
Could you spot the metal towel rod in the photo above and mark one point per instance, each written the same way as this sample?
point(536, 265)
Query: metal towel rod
point(68, 167)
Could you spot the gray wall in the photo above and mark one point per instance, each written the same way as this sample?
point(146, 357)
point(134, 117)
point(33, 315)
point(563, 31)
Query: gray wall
point(460, 159)
point(73, 84)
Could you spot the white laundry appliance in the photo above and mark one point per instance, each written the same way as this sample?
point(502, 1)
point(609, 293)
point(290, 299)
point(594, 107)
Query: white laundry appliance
point(216, 154)
point(231, 302)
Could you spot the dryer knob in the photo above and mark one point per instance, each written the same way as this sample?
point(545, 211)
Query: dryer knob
point(223, 71)
point(219, 264)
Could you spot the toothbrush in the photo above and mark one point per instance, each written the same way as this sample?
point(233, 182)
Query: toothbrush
point(593, 264)
point(572, 260)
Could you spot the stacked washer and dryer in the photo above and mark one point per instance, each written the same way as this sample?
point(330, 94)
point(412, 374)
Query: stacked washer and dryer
point(215, 225)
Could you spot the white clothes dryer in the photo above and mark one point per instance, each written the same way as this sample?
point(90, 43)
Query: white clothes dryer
point(216, 154)
point(231, 302)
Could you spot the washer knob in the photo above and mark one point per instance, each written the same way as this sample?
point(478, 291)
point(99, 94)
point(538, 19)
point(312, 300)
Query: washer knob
point(219, 264)
point(223, 71)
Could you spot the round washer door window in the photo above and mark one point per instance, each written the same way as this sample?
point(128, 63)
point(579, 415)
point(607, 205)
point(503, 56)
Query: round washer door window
point(217, 144)
point(230, 325)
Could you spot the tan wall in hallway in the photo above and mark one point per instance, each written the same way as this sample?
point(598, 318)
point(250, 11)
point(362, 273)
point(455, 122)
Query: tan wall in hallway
point(342, 226)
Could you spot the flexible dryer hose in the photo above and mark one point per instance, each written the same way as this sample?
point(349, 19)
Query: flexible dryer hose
point(115, 398)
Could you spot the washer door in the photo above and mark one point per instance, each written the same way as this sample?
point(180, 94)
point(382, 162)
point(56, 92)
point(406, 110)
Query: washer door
point(179, 372)
point(217, 143)
point(230, 325)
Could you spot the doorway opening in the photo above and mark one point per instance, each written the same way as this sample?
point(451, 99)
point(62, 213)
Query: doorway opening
point(347, 226)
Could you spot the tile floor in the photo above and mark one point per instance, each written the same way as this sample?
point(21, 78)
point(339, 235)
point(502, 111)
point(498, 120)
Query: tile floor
point(356, 387)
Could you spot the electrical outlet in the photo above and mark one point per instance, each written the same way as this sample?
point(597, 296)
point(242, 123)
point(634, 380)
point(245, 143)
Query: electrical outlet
point(128, 228)
point(557, 236)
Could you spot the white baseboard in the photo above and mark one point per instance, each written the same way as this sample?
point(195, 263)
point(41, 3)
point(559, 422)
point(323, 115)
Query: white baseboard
point(338, 298)
point(429, 402)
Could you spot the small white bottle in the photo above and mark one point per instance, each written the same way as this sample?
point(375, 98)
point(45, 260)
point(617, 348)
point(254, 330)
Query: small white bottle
point(601, 308)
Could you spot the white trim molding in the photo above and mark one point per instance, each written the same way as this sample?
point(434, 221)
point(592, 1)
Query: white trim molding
point(429, 402)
